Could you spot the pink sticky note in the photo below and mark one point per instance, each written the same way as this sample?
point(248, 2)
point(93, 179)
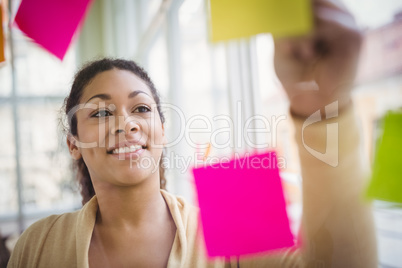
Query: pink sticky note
point(51, 23)
point(242, 206)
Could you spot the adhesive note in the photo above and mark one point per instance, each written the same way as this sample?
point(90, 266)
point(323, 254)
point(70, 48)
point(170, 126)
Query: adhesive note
point(2, 57)
point(51, 23)
point(232, 19)
point(242, 206)
point(386, 182)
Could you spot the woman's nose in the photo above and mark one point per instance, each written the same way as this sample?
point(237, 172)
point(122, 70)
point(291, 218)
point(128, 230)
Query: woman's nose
point(124, 124)
point(132, 125)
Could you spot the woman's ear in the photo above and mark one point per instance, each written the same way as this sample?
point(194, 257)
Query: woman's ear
point(72, 147)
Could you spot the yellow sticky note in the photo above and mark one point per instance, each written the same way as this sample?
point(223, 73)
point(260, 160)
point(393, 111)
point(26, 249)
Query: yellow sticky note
point(2, 58)
point(232, 19)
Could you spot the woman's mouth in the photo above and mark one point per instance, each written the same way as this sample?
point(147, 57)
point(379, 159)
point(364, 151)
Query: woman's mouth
point(127, 149)
point(132, 152)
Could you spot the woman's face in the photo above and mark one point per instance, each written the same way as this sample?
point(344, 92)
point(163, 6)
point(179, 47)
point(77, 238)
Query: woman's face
point(120, 134)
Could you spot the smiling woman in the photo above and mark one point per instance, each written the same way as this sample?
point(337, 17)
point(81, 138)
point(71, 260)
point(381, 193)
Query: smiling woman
point(121, 120)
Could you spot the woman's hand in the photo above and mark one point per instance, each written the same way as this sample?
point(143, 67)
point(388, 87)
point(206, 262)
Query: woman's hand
point(320, 68)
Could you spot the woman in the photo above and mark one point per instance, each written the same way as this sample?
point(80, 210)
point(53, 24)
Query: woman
point(116, 122)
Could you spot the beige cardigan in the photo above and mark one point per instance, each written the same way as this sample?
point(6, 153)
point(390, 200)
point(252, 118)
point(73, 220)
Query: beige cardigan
point(337, 228)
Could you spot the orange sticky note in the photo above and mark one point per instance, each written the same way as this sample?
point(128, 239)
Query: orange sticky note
point(2, 57)
point(232, 19)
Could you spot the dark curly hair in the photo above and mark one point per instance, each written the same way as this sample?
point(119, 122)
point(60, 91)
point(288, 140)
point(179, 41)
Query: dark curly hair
point(82, 78)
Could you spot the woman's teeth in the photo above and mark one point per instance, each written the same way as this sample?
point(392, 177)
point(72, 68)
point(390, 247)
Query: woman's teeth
point(126, 149)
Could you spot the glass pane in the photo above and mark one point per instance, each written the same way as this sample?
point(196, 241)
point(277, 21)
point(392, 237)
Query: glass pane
point(275, 106)
point(367, 15)
point(38, 71)
point(388, 220)
point(158, 66)
point(204, 84)
point(152, 7)
point(9, 227)
point(8, 193)
point(8, 186)
point(5, 79)
point(45, 161)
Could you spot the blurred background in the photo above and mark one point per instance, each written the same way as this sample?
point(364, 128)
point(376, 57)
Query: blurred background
point(169, 38)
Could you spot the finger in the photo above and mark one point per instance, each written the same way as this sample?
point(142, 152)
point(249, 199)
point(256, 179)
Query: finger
point(306, 46)
point(333, 4)
point(334, 16)
point(283, 46)
point(299, 48)
point(336, 32)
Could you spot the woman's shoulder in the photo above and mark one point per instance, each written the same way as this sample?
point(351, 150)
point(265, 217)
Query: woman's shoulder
point(65, 221)
point(39, 231)
point(42, 226)
point(181, 210)
point(179, 203)
point(53, 237)
point(30, 245)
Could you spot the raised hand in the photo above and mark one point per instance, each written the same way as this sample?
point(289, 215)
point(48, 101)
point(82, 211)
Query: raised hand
point(320, 68)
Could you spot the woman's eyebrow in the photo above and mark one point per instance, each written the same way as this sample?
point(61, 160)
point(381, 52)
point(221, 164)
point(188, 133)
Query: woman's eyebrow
point(101, 96)
point(108, 97)
point(135, 93)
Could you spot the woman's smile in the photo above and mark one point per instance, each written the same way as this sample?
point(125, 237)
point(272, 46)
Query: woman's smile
point(127, 151)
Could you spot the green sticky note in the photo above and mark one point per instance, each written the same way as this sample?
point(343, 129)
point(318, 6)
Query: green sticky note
point(386, 182)
point(232, 19)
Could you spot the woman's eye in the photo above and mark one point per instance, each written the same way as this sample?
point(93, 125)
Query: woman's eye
point(102, 113)
point(142, 109)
